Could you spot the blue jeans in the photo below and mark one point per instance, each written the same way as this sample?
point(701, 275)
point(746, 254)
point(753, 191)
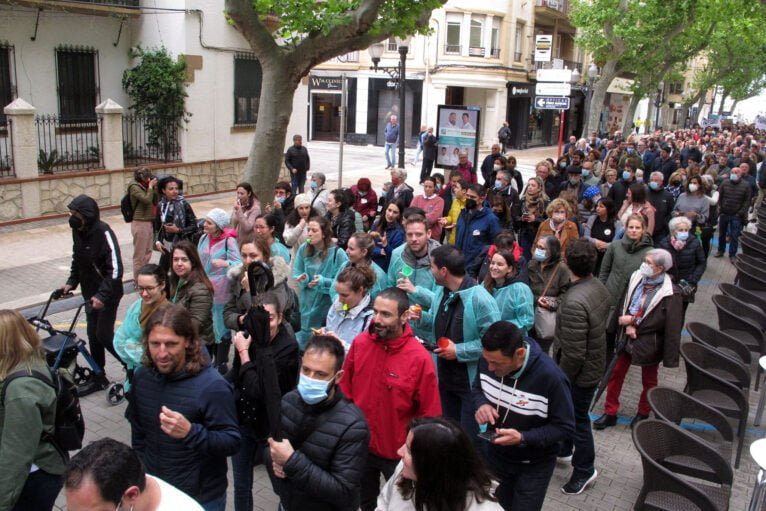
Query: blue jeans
point(297, 182)
point(733, 224)
point(39, 492)
point(391, 154)
point(522, 485)
point(217, 504)
point(251, 453)
point(459, 407)
point(582, 442)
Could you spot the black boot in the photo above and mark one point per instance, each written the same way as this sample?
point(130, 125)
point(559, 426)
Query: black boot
point(605, 421)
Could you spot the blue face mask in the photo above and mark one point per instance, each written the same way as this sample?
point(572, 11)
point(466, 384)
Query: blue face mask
point(539, 254)
point(654, 185)
point(498, 184)
point(585, 172)
point(682, 236)
point(734, 177)
point(280, 200)
point(631, 150)
point(312, 391)
point(313, 185)
point(626, 175)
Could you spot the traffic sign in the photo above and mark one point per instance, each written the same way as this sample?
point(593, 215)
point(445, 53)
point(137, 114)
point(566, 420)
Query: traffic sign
point(551, 103)
point(554, 75)
point(553, 89)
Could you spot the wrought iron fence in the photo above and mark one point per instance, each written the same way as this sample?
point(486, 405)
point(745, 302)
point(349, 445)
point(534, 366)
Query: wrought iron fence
point(67, 146)
point(6, 155)
point(146, 140)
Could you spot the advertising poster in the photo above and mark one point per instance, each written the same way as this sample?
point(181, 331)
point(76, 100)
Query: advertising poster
point(457, 131)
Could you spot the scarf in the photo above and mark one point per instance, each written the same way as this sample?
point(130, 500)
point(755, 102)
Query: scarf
point(677, 244)
point(147, 309)
point(173, 212)
point(557, 232)
point(643, 295)
point(533, 201)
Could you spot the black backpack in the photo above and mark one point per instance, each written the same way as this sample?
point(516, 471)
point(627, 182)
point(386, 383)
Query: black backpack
point(69, 427)
point(126, 206)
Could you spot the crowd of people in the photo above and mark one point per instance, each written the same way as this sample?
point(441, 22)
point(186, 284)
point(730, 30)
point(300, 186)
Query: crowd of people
point(373, 332)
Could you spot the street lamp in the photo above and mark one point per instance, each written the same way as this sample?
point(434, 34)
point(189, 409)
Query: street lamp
point(657, 104)
point(592, 76)
point(399, 75)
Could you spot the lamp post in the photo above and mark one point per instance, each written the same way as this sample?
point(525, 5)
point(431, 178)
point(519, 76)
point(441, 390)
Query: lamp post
point(399, 75)
point(657, 105)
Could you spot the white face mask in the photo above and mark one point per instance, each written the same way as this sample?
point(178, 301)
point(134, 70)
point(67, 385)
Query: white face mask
point(496, 167)
point(693, 188)
point(646, 270)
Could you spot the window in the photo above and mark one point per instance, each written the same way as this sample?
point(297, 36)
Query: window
point(476, 33)
point(676, 88)
point(391, 44)
point(247, 88)
point(495, 48)
point(518, 45)
point(6, 85)
point(77, 71)
point(453, 37)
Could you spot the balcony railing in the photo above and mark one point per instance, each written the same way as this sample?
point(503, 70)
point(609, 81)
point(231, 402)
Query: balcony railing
point(452, 49)
point(556, 5)
point(6, 160)
point(569, 64)
point(494, 53)
point(352, 56)
point(475, 51)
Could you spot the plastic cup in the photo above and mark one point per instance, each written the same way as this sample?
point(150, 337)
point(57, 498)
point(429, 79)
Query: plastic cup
point(407, 271)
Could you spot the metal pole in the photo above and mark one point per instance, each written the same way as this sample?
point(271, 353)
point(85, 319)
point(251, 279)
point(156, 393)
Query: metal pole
point(343, 100)
point(402, 78)
point(561, 132)
point(586, 111)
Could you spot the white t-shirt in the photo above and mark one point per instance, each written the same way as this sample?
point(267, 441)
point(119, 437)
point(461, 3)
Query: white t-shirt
point(173, 499)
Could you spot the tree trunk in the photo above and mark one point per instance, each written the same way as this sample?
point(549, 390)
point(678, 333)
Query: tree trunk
point(723, 100)
point(608, 72)
point(684, 114)
point(700, 105)
point(628, 121)
point(275, 108)
point(733, 106)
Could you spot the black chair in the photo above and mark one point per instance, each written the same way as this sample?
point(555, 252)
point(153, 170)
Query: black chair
point(674, 406)
point(715, 391)
point(755, 262)
point(725, 367)
point(741, 321)
point(753, 245)
point(663, 489)
point(751, 278)
point(721, 341)
point(743, 295)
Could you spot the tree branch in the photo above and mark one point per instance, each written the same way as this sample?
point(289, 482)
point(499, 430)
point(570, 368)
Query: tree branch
point(249, 25)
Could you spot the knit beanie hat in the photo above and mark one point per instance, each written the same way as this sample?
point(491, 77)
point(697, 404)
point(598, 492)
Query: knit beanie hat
point(219, 217)
point(302, 199)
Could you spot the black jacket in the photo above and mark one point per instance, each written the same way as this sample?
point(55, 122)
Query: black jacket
point(297, 157)
point(619, 191)
point(689, 264)
point(197, 464)
point(429, 147)
point(663, 203)
point(330, 441)
point(734, 198)
point(343, 226)
point(488, 168)
point(248, 383)
point(96, 258)
point(667, 167)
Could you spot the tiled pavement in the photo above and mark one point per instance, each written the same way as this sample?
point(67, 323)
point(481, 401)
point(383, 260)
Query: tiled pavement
point(34, 260)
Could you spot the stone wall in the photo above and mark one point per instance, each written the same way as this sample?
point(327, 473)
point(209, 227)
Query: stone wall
point(108, 186)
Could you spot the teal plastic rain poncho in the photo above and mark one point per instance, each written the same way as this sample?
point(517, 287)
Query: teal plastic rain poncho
point(381, 281)
point(225, 248)
point(279, 250)
point(517, 305)
point(479, 312)
point(315, 301)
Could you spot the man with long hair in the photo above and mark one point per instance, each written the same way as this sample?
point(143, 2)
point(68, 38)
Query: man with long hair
point(187, 442)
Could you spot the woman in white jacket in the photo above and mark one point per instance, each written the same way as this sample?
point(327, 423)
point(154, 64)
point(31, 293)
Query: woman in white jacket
point(440, 471)
point(297, 222)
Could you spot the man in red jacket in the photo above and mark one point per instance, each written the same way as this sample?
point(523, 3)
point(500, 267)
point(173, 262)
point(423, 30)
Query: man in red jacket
point(391, 377)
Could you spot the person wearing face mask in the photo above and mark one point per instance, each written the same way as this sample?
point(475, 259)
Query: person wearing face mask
point(693, 203)
point(97, 267)
point(284, 200)
point(247, 377)
point(663, 204)
point(733, 202)
point(689, 260)
point(548, 280)
point(619, 190)
point(351, 311)
point(489, 167)
point(477, 226)
point(558, 224)
point(649, 318)
point(365, 201)
point(318, 194)
point(319, 461)
point(400, 190)
point(503, 188)
point(589, 178)
point(388, 356)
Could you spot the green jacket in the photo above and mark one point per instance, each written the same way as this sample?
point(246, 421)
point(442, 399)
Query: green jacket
point(28, 410)
point(621, 259)
point(198, 300)
point(127, 338)
point(579, 344)
point(421, 278)
point(143, 200)
point(479, 312)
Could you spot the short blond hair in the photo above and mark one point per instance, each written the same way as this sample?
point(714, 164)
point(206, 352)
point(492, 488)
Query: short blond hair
point(557, 204)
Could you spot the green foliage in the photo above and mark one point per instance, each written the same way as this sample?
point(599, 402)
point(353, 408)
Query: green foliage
point(156, 84)
point(300, 19)
point(46, 161)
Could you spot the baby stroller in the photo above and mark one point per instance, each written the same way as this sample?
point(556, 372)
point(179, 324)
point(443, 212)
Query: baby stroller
point(62, 347)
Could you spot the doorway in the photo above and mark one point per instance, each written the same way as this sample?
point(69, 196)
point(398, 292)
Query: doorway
point(325, 116)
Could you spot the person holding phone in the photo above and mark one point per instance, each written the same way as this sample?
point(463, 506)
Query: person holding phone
point(522, 451)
